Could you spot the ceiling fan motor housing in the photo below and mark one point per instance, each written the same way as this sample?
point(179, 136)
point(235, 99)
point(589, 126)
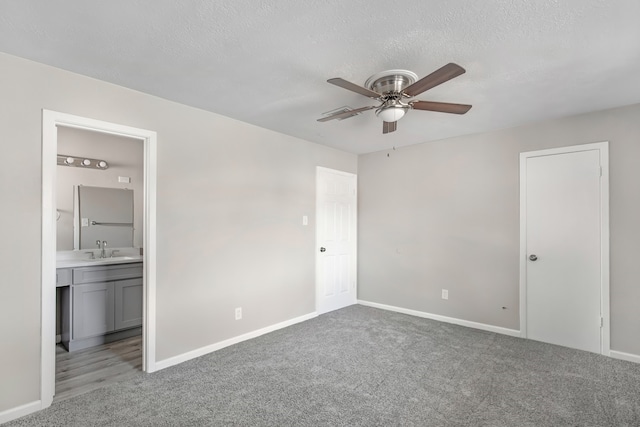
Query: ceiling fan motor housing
point(390, 85)
point(390, 81)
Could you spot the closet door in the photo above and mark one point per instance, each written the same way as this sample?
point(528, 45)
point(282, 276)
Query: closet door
point(563, 249)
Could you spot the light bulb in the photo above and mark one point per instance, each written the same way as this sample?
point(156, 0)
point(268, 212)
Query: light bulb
point(390, 114)
point(86, 162)
point(69, 160)
point(102, 164)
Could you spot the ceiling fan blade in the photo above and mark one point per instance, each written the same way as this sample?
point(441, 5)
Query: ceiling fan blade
point(389, 127)
point(354, 87)
point(441, 107)
point(345, 114)
point(439, 76)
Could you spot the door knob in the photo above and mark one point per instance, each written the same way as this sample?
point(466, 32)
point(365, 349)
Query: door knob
point(322, 249)
point(533, 257)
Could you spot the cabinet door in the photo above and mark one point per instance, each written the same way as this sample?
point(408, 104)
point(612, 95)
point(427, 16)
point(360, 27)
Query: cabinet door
point(92, 309)
point(128, 303)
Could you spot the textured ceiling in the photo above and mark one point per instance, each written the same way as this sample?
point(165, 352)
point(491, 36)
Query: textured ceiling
point(266, 62)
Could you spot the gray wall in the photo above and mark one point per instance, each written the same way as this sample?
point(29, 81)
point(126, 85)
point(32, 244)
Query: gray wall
point(231, 197)
point(125, 158)
point(445, 214)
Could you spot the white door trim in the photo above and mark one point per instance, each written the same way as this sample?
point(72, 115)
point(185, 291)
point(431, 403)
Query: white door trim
point(603, 148)
point(50, 121)
point(354, 246)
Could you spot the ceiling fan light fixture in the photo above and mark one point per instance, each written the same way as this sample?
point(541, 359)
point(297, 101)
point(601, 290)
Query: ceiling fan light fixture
point(391, 113)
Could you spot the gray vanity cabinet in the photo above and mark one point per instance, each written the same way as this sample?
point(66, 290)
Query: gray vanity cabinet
point(93, 309)
point(103, 304)
point(128, 303)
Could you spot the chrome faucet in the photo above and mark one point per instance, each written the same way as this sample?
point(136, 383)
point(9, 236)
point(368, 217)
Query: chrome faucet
point(102, 246)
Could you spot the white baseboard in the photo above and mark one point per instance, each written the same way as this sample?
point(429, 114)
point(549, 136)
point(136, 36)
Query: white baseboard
point(175, 360)
point(497, 329)
point(20, 411)
point(461, 322)
point(625, 356)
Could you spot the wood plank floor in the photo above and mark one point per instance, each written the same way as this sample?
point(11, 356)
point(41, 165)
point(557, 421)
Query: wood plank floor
point(82, 371)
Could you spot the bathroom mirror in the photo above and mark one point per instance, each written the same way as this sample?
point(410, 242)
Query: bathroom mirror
point(104, 214)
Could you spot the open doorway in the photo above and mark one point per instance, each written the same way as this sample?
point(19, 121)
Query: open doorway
point(99, 286)
point(119, 283)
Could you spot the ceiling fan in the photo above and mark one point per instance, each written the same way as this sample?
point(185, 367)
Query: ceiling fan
point(391, 87)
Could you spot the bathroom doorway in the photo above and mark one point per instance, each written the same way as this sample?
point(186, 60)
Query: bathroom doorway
point(135, 351)
point(99, 223)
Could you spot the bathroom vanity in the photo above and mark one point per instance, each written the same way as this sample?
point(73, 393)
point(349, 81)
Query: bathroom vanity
point(100, 300)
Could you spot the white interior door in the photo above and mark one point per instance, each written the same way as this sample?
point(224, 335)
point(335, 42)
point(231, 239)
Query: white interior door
point(563, 247)
point(336, 204)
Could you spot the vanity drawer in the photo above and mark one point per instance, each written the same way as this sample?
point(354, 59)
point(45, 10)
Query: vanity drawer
point(63, 277)
point(106, 273)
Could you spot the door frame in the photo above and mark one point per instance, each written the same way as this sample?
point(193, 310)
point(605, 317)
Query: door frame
point(354, 246)
point(50, 122)
point(603, 149)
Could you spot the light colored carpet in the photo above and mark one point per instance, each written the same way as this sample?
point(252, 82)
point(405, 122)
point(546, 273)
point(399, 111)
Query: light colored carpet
point(366, 367)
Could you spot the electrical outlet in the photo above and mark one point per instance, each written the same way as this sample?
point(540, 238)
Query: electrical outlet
point(445, 294)
point(238, 313)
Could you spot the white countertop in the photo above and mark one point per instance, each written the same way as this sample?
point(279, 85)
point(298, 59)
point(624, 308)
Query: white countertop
point(98, 261)
point(69, 259)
